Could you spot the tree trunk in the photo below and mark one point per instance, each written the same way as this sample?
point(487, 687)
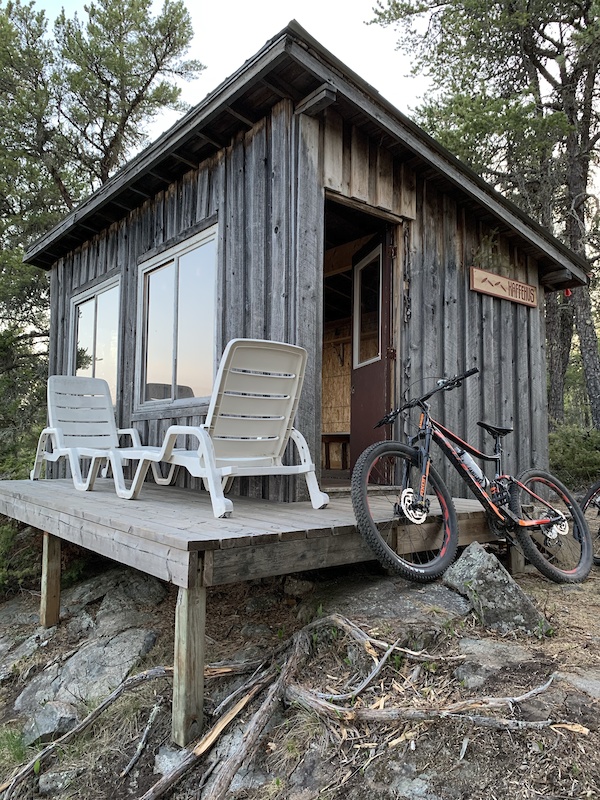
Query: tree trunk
point(559, 333)
point(588, 341)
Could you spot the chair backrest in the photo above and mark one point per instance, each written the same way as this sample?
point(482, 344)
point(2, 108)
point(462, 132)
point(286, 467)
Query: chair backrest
point(82, 412)
point(255, 399)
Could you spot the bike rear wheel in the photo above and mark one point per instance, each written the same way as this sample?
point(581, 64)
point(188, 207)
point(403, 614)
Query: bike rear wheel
point(419, 544)
point(591, 511)
point(561, 552)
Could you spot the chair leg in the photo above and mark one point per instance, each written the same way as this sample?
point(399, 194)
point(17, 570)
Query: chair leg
point(81, 483)
point(157, 475)
point(138, 479)
point(39, 456)
point(318, 498)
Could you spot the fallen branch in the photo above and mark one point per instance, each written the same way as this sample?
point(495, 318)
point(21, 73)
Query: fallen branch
point(230, 766)
point(140, 748)
point(130, 683)
point(363, 684)
point(310, 700)
point(167, 781)
point(337, 621)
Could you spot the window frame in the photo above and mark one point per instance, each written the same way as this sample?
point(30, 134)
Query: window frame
point(92, 292)
point(166, 256)
point(375, 254)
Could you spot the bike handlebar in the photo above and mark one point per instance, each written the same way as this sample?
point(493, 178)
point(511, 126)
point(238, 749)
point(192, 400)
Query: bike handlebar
point(443, 385)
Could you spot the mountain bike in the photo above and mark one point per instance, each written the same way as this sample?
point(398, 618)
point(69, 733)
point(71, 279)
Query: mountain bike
point(405, 512)
point(591, 509)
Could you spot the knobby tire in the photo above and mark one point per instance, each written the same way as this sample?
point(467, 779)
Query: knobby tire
point(564, 557)
point(418, 552)
point(591, 510)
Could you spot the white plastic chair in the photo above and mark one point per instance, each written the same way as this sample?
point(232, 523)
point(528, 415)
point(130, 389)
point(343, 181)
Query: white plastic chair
point(250, 419)
point(248, 426)
point(82, 426)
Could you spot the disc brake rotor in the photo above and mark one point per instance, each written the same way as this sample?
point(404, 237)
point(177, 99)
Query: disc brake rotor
point(414, 513)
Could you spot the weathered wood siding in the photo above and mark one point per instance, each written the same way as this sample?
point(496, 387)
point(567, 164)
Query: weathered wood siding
point(358, 168)
point(270, 251)
point(266, 192)
point(449, 329)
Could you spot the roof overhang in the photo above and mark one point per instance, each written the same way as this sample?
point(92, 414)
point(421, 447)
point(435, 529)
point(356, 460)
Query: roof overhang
point(294, 65)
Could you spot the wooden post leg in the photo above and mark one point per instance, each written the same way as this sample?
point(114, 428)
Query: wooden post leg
point(50, 600)
point(188, 663)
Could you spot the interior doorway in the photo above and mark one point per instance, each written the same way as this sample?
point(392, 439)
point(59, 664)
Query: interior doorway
point(358, 356)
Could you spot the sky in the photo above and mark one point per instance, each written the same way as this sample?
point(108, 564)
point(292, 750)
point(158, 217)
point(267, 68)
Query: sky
point(231, 31)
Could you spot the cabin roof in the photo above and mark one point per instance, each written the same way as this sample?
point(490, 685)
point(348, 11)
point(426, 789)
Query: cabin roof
point(294, 65)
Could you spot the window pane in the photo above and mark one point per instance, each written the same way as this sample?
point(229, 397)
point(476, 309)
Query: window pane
point(107, 338)
point(196, 321)
point(369, 287)
point(159, 333)
point(84, 354)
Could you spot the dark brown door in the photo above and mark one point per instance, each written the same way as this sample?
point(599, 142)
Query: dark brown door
point(372, 353)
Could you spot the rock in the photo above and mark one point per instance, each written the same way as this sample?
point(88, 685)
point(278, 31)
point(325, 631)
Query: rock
point(485, 658)
point(12, 652)
point(168, 759)
point(50, 722)
point(497, 600)
point(52, 783)
point(143, 590)
point(296, 587)
point(255, 631)
point(92, 672)
point(588, 683)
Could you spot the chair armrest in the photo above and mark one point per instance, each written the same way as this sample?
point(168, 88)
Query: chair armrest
point(133, 433)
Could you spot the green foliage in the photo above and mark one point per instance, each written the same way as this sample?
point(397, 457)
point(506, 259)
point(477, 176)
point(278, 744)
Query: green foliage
point(575, 456)
point(13, 751)
point(515, 95)
point(75, 104)
point(19, 560)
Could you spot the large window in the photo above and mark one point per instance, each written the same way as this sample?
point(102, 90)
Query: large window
point(178, 321)
point(95, 336)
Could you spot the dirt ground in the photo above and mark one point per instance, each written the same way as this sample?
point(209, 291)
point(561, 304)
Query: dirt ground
point(304, 754)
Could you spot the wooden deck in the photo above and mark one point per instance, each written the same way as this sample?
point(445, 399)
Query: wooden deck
point(172, 534)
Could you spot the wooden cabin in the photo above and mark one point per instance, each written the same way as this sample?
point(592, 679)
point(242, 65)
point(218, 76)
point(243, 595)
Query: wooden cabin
point(293, 203)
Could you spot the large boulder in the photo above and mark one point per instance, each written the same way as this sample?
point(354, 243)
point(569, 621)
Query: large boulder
point(498, 601)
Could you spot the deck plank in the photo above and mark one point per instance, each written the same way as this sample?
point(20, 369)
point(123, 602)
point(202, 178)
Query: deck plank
point(159, 532)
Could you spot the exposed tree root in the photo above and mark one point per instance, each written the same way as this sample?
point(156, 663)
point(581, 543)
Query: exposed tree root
point(279, 681)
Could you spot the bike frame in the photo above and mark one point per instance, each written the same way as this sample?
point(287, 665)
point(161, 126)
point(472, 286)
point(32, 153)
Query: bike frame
point(496, 501)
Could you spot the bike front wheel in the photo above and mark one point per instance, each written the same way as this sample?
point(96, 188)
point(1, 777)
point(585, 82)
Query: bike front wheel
point(591, 511)
point(417, 543)
point(561, 551)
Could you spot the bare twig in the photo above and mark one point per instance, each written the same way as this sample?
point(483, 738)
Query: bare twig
point(192, 756)
point(305, 698)
point(230, 766)
point(143, 741)
point(337, 621)
point(129, 683)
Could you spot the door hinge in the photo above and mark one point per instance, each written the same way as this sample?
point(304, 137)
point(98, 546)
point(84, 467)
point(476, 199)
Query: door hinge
point(393, 250)
point(391, 353)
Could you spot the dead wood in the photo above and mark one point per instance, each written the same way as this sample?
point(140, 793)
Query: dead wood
point(312, 701)
point(144, 740)
point(207, 741)
point(231, 765)
point(353, 630)
point(35, 763)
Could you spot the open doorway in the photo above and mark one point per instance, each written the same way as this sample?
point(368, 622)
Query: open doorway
point(357, 336)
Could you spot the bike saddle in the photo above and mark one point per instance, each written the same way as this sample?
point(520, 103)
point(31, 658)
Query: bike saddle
point(495, 430)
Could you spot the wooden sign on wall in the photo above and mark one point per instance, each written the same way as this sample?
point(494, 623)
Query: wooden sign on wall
point(505, 288)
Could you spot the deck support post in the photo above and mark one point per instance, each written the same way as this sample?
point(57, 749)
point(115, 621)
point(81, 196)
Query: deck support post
point(188, 664)
point(50, 599)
